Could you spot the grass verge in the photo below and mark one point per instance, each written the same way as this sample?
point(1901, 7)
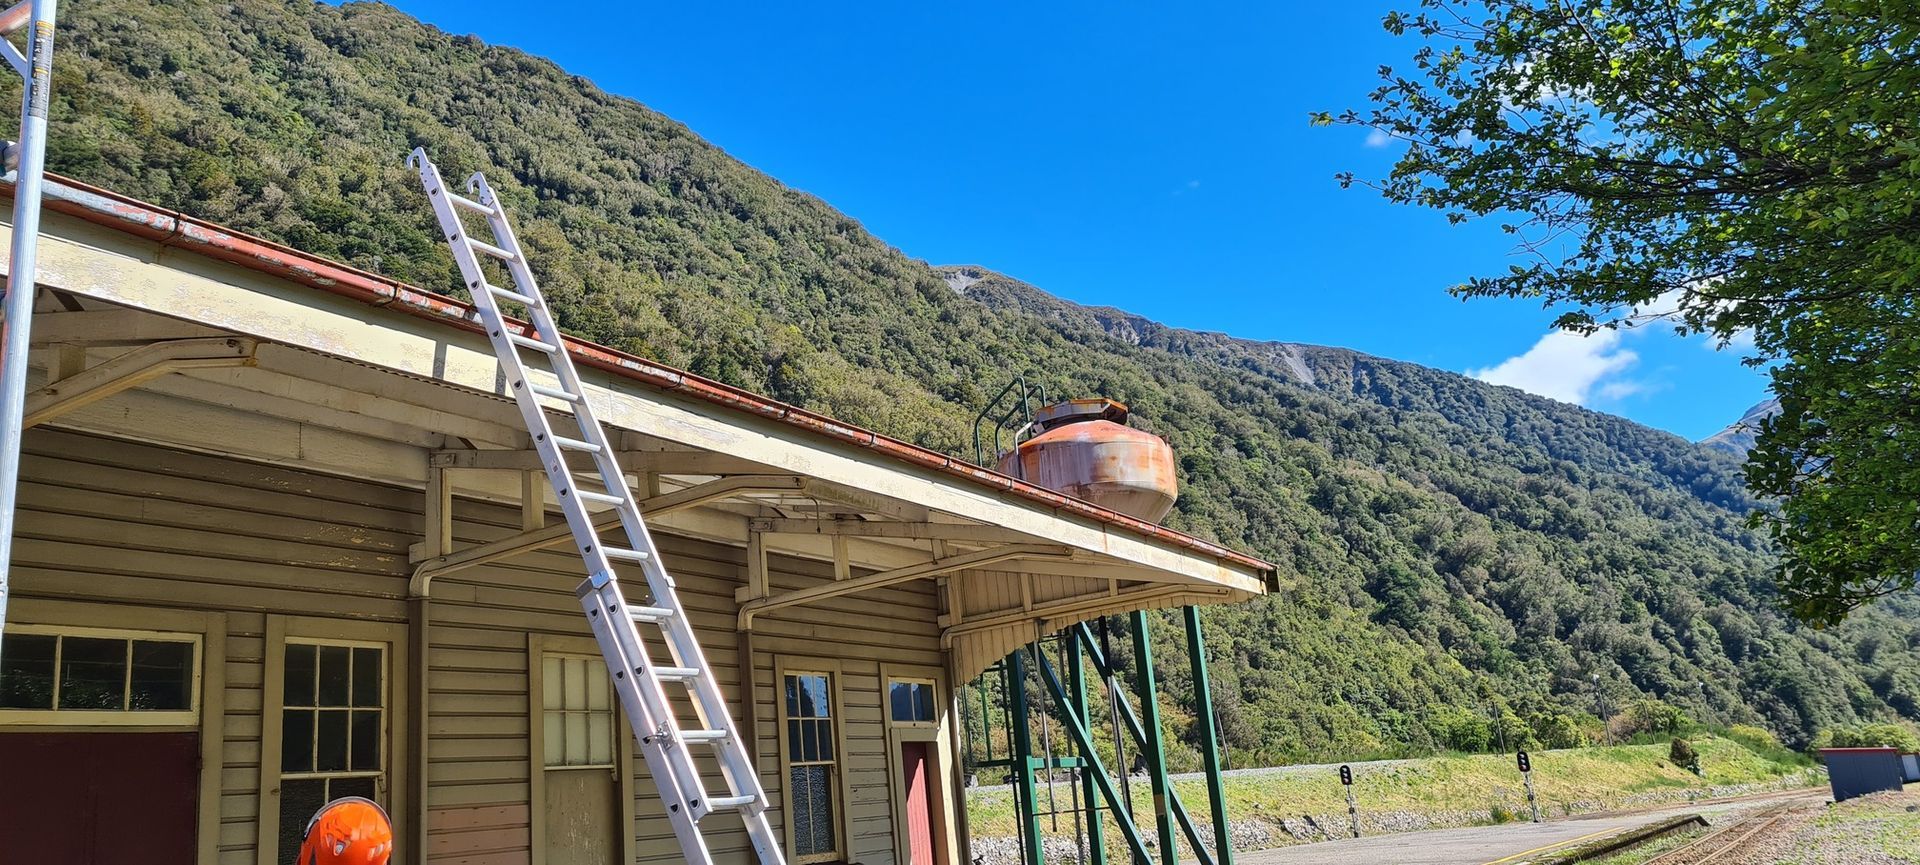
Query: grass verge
point(1268, 808)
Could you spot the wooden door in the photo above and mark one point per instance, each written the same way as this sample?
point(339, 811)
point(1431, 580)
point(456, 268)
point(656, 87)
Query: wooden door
point(99, 798)
point(914, 767)
point(580, 789)
point(583, 817)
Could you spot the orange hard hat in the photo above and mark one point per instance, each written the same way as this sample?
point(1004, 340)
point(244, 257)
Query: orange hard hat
point(350, 831)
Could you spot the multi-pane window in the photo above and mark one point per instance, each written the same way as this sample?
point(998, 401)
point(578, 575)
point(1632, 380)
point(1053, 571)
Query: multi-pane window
point(79, 674)
point(811, 766)
point(333, 730)
point(577, 716)
point(910, 701)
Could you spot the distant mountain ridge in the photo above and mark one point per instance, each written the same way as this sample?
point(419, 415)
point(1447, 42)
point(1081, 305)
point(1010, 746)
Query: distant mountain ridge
point(1446, 544)
point(984, 285)
point(1739, 436)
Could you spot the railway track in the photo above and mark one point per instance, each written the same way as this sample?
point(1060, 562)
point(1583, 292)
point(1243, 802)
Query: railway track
point(1715, 847)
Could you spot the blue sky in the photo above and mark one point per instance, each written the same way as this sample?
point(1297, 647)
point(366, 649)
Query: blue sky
point(1129, 154)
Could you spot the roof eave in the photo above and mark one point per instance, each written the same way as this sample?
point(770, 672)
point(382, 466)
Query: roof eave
point(179, 230)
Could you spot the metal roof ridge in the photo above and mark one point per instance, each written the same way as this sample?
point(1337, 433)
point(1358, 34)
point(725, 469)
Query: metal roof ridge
point(173, 228)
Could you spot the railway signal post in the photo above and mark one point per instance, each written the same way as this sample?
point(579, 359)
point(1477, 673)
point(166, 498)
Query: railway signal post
point(1526, 775)
point(1353, 810)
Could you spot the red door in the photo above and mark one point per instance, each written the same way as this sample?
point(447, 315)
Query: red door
point(913, 766)
point(99, 798)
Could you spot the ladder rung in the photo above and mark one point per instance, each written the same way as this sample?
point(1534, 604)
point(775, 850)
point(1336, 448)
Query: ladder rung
point(488, 248)
point(649, 615)
point(529, 342)
point(676, 674)
point(602, 498)
point(703, 735)
point(625, 555)
point(724, 803)
point(512, 295)
point(553, 392)
point(469, 204)
point(576, 444)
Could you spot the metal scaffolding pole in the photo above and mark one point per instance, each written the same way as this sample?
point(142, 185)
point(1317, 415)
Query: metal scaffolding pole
point(16, 311)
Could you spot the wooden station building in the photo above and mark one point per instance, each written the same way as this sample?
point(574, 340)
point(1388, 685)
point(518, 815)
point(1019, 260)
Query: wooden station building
point(282, 539)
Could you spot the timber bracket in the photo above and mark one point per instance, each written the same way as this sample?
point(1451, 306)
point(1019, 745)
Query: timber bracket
point(132, 369)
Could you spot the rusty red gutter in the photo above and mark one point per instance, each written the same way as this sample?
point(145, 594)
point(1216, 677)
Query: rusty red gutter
point(182, 231)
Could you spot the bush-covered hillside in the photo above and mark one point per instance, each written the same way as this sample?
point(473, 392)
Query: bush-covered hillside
point(1447, 544)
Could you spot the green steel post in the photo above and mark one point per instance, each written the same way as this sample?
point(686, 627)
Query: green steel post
point(986, 724)
point(1031, 849)
point(1077, 675)
point(1150, 725)
point(1209, 737)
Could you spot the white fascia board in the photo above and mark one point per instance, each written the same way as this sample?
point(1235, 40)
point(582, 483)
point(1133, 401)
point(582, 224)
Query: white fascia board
point(96, 262)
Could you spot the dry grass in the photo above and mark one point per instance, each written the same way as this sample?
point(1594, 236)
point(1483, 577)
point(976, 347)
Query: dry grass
point(1454, 790)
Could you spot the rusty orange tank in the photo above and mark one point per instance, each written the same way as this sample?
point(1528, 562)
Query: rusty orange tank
point(1086, 450)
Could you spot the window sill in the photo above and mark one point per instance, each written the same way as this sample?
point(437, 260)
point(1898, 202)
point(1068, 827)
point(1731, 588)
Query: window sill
point(96, 718)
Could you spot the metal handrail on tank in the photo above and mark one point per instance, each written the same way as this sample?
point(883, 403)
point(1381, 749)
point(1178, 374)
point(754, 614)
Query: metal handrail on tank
point(1011, 403)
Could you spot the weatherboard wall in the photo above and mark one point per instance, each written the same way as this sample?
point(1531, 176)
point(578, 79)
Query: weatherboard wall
point(114, 534)
point(119, 535)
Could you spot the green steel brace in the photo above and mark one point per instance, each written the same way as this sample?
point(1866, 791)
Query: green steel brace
point(1209, 736)
point(1083, 739)
point(1071, 697)
point(1181, 816)
point(1096, 836)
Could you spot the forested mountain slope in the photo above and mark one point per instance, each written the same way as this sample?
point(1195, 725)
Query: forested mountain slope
point(1446, 543)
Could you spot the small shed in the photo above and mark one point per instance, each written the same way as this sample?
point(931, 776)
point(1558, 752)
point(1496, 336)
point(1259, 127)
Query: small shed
point(1860, 771)
point(1910, 767)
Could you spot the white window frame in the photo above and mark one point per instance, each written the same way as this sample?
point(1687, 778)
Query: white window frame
point(612, 712)
point(381, 775)
point(391, 787)
point(886, 699)
point(842, 834)
point(56, 716)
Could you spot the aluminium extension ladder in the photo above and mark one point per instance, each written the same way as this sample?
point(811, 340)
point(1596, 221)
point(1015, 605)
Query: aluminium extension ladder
point(664, 742)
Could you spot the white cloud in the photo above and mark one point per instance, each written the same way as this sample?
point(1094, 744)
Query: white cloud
point(1618, 390)
point(1568, 367)
point(1668, 307)
point(1378, 138)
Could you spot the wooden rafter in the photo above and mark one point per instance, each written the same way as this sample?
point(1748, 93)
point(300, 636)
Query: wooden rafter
point(753, 606)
